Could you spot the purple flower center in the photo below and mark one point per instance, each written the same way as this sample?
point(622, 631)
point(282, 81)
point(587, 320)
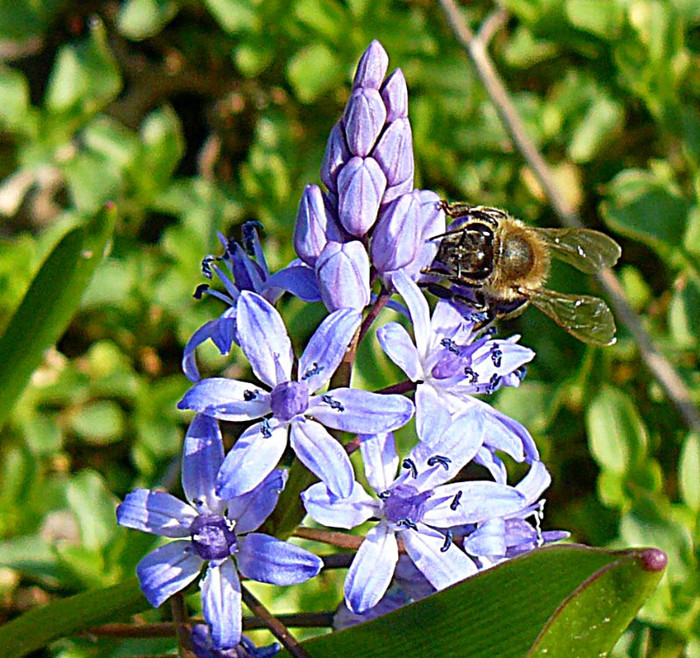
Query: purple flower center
point(213, 536)
point(289, 399)
point(405, 505)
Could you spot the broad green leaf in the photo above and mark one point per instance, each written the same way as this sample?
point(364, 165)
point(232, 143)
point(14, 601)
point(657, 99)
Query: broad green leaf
point(509, 610)
point(684, 313)
point(616, 434)
point(49, 304)
point(16, 112)
point(604, 19)
point(234, 16)
point(24, 20)
point(99, 422)
point(643, 206)
point(70, 616)
point(93, 507)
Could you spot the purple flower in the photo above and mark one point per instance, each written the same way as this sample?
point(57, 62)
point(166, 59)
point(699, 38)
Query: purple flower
point(290, 408)
point(498, 539)
point(212, 531)
point(245, 269)
point(451, 363)
point(368, 171)
point(203, 647)
point(416, 507)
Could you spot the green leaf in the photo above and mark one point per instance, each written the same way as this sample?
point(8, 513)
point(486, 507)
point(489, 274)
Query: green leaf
point(688, 472)
point(604, 19)
point(616, 434)
point(684, 313)
point(99, 422)
point(49, 304)
point(642, 205)
point(140, 19)
point(94, 508)
point(234, 16)
point(518, 608)
point(36, 628)
point(314, 70)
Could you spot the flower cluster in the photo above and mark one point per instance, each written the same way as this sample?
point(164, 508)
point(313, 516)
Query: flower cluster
point(368, 228)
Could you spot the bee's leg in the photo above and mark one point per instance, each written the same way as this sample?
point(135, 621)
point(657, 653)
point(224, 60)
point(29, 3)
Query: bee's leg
point(455, 210)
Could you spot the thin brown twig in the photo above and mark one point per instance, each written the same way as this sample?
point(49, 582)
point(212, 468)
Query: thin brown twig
point(183, 626)
point(654, 359)
point(276, 627)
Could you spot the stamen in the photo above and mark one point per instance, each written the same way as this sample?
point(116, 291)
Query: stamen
point(200, 290)
point(521, 373)
point(249, 396)
point(448, 542)
point(407, 523)
point(440, 459)
point(538, 517)
point(384, 495)
point(494, 382)
point(313, 370)
point(333, 404)
point(496, 356)
point(455, 501)
point(472, 377)
point(449, 345)
point(409, 464)
point(249, 236)
point(266, 428)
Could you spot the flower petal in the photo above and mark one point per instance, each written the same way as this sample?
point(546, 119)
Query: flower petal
point(471, 502)
point(489, 539)
point(399, 347)
point(418, 309)
point(343, 275)
point(270, 560)
point(432, 417)
point(227, 399)
point(380, 460)
point(251, 459)
point(535, 482)
point(361, 184)
point(252, 508)
point(298, 279)
point(263, 339)
point(156, 512)
point(334, 512)
point(202, 455)
point(168, 570)
point(221, 604)
point(442, 568)
point(371, 571)
point(322, 455)
point(326, 348)
point(221, 331)
point(361, 412)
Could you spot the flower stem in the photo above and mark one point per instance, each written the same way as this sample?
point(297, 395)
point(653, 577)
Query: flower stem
point(277, 628)
point(183, 625)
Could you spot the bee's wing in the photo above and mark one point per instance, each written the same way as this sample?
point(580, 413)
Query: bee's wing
point(587, 250)
point(587, 318)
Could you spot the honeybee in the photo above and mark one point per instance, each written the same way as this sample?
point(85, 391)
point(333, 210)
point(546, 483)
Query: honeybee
point(501, 265)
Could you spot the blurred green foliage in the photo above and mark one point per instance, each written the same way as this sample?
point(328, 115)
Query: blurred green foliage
point(194, 116)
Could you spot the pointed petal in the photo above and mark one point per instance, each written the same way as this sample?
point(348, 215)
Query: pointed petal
point(535, 482)
point(354, 410)
point(399, 347)
point(300, 280)
point(488, 539)
point(251, 459)
point(156, 512)
point(252, 508)
point(202, 455)
point(343, 275)
point(380, 460)
point(442, 568)
point(322, 455)
point(270, 560)
point(371, 571)
point(458, 443)
point(263, 338)
point(333, 512)
point(221, 604)
point(168, 570)
point(432, 417)
point(418, 309)
point(471, 502)
point(494, 464)
point(221, 331)
point(227, 399)
point(326, 348)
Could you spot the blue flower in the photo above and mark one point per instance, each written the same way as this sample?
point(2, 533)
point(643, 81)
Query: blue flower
point(289, 408)
point(245, 269)
point(415, 507)
point(209, 530)
point(203, 647)
point(370, 201)
point(513, 534)
point(452, 363)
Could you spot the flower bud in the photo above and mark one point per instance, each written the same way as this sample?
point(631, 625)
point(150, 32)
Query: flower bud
point(394, 153)
point(315, 225)
point(342, 271)
point(395, 96)
point(395, 238)
point(336, 155)
point(364, 116)
point(372, 66)
point(361, 184)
